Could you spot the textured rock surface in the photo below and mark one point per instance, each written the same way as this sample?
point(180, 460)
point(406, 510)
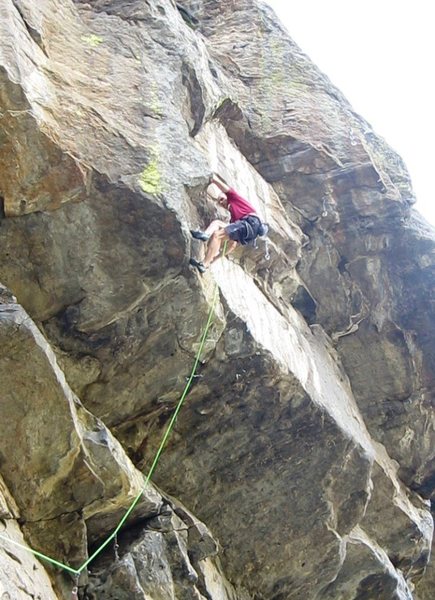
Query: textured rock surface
point(21, 575)
point(170, 556)
point(66, 465)
point(306, 447)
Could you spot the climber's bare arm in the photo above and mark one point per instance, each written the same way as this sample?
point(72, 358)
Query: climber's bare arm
point(217, 180)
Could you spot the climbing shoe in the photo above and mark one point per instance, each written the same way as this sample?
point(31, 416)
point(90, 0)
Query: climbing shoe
point(200, 235)
point(198, 265)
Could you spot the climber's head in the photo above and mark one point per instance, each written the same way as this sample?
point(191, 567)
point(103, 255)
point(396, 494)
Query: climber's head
point(222, 200)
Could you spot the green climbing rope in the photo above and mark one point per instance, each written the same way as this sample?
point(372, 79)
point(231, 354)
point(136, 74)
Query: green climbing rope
point(153, 465)
point(41, 555)
point(165, 437)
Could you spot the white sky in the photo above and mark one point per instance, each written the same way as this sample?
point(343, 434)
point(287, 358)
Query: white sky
point(381, 55)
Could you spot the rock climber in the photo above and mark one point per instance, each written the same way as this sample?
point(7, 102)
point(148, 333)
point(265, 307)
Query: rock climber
point(244, 226)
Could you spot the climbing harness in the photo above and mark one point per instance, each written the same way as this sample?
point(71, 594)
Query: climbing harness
point(113, 535)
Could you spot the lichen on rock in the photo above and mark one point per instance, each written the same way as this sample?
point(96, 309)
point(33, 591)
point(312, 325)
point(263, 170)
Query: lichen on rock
point(150, 178)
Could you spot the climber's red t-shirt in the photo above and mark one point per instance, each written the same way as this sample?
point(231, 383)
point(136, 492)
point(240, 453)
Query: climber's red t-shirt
point(239, 207)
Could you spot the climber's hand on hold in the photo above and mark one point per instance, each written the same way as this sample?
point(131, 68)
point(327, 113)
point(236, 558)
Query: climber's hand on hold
point(220, 183)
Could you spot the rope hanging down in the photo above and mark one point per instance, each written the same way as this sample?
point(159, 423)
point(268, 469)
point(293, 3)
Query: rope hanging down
point(153, 465)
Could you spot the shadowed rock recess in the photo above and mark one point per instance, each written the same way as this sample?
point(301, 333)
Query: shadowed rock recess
point(302, 463)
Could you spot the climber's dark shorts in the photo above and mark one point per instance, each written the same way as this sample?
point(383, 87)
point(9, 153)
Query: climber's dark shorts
point(245, 230)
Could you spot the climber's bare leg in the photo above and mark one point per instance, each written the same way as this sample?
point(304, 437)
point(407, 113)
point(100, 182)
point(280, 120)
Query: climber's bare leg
point(214, 226)
point(231, 245)
point(214, 245)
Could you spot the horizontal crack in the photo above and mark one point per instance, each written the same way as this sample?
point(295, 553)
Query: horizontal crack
point(22, 521)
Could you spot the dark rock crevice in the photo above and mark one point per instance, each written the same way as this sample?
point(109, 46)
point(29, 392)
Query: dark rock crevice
point(34, 33)
point(196, 106)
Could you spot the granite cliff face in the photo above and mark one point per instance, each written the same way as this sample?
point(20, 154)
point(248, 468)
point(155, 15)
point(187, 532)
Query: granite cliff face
point(302, 464)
